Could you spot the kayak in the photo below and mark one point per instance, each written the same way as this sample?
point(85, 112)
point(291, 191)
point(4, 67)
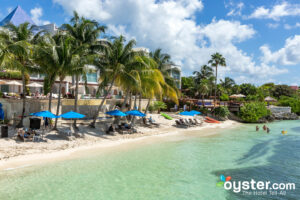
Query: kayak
point(211, 120)
point(166, 116)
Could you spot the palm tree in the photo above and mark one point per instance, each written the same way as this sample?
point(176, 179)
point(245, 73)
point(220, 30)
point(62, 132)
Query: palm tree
point(113, 64)
point(205, 73)
point(163, 61)
point(227, 84)
point(85, 32)
point(58, 50)
point(16, 53)
point(46, 58)
point(203, 88)
point(215, 61)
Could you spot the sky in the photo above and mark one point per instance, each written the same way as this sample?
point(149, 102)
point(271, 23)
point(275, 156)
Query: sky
point(260, 40)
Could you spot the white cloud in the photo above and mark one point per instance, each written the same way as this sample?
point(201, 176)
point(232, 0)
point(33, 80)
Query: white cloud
point(283, 9)
point(273, 25)
point(288, 55)
point(288, 27)
point(171, 26)
point(235, 9)
point(36, 14)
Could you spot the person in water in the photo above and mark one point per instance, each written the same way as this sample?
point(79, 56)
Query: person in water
point(268, 130)
point(265, 127)
point(257, 128)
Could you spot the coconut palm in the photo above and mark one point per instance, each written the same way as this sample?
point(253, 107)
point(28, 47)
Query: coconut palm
point(203, 88)
point(59, 51)
point(215, 61)
point(85, 32)
point(163, 61)
point(16, 52)
point(205, 72)
point(227, 84)
point(113, 64)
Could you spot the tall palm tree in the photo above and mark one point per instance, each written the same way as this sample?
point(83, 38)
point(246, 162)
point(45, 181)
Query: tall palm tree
point(205, 73)
point(227, 84)
point(203, 88)
point(85, 32)
point(113, 64)
point(163, 61)
point(215, 61)
point(45, 57)
point(16, 53)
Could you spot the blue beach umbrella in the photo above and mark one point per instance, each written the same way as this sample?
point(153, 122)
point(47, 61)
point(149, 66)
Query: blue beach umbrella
point(45, 113)
point(72, 115)
point(135, 113)
point(187, 113)
point(1, 112)
point(116, 113)
point(195, 112)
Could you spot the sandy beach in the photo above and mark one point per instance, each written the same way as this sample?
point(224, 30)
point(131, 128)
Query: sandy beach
point(15, 154)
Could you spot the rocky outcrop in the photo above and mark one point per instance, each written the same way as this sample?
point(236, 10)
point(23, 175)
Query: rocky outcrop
point(285, 116)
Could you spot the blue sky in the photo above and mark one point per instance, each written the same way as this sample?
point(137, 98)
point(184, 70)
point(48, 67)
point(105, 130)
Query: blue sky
point(259, 39)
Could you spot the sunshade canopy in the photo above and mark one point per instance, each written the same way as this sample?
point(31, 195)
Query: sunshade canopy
point(45, 113)
point(72, 115)
point(135, 113)
point(116, 113)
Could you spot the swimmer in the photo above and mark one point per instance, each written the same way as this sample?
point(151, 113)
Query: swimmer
point(268, 130)
point(265, 127)
point(257, 128)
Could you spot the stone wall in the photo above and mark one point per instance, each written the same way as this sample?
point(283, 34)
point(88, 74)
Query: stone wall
point(13, 107)
point(277, 109)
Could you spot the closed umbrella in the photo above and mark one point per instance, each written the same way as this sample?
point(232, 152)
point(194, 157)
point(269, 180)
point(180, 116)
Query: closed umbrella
point(135, 113)
point(116, 113)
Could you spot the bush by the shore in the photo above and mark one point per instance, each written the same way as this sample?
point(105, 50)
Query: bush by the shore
point(252, 112)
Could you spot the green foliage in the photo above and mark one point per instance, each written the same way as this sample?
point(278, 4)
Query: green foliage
point(283, 90)
point(294, 103)
point(11, 74)
point(222, 111)
point(187, 82)
point(158, 105)
point(252, 112)
point(248, 89)
point(224, 97)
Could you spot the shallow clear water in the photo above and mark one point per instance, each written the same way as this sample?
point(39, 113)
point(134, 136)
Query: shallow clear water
point(184, 168)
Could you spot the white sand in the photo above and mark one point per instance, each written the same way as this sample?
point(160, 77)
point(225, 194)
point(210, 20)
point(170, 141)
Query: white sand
point(15, 154)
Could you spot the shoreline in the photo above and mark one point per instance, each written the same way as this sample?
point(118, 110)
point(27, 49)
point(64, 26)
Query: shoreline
point(73, 151)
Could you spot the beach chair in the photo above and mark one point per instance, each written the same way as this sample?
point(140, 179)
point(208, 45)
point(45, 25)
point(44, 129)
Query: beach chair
point(197, 122)
point(188, 123)
point(184, 122)
point(23, 136)
point(192, 122)
point(180, 125)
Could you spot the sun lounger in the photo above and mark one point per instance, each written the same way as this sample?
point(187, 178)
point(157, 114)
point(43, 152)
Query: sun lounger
point(197, 122)
point(180, 125)
point(184, 122)
point(24, 136)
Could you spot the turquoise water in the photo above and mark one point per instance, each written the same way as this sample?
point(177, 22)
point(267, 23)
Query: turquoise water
point(186, 167)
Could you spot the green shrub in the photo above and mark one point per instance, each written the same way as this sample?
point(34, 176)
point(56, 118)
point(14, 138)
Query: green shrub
point(11, 74)
point(158, 105)
point(222, 111)
point(252, 112)
point(224, 97)
point(292, 102)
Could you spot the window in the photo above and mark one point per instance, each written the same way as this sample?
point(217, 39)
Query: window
point(92, 77)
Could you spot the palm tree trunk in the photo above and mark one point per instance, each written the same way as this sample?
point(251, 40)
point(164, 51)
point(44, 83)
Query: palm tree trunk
point(215, 98)
point(140, 102)
point(134, 105)
point(202, 100)
point(50, 100)
point(24, 101)
point(58, 103)
point(148, 104)
point(125, 101)
point(76, 96)
point(102, 102)
point(130, 101)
